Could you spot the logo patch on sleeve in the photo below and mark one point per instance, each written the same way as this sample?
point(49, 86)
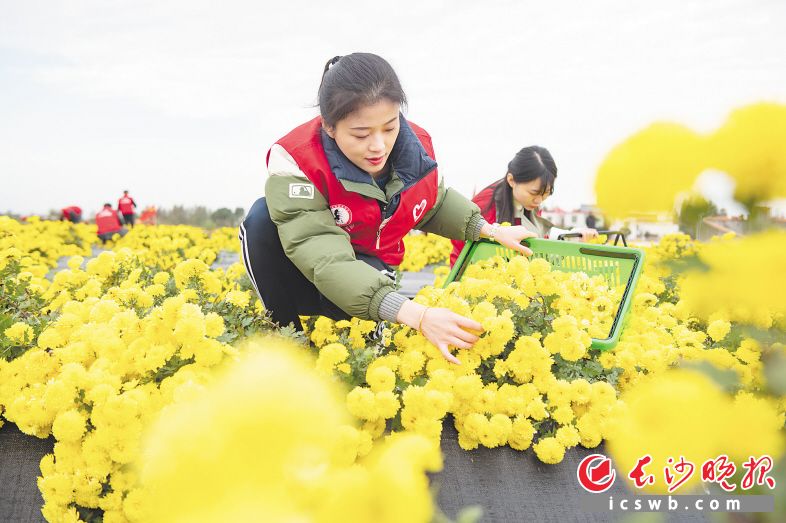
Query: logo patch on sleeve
point(341, 214)
point(301, 190)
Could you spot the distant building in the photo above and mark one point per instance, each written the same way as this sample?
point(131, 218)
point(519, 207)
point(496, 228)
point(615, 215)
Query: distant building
point(647, 226)
point(720, 225)
point(641, 226)
point(739, 225)
point(575, 218)
point(651, 226)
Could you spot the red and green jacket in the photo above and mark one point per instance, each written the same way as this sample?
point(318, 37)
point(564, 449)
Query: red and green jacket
point(326, 209)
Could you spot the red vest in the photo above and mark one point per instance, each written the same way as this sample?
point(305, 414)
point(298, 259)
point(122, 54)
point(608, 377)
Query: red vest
point(107, 221)
point(125, 205)
point(374, 229)
point(66, 211)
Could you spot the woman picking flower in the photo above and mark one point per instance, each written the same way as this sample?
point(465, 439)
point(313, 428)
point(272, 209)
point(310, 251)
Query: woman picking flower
point(517, 196)
point(343, 190)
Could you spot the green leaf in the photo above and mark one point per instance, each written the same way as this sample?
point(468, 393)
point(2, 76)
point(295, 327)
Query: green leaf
point(775, 372)
point(90, 515)
point(470, 514)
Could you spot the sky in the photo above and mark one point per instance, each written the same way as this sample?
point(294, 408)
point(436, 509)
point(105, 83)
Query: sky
point(179, 101)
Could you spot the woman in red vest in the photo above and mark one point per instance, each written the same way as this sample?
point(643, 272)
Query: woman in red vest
point(108, 223)
point(343, 190)
point(72, 213)
point(516, 197)
point(125, 206)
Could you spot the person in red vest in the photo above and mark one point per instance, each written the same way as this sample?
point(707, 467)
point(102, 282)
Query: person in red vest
point(72, 213)
point(517, 197)
point(149, 215)
point(125, 205)
point(343, 190)
point(108, 223)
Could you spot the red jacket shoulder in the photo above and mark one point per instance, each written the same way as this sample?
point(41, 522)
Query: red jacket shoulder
point(424, 137)
point(485, 200)
point(305, 135)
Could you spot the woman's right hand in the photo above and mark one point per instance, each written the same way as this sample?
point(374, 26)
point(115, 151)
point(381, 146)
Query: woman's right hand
point(587, 234)
point(442, 327)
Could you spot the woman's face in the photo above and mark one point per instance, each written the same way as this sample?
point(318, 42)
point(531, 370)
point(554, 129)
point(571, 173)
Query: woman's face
point(528, 194)
point(367, 135)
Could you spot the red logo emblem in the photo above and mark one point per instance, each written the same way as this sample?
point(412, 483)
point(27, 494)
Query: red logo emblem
point(595, 473)
point(341, 214)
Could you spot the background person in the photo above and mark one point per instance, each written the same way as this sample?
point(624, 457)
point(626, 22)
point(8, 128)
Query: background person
point(149, 215)
point(592, 221)
point(72, 213)
point(517, 197)
point(108, 223)
point(125, 205)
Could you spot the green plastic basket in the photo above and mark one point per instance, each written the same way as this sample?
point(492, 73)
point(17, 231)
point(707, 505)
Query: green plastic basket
point(617, 265)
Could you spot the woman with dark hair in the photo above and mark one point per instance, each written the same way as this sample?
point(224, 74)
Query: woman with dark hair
point(515, 199)
point(343, 190)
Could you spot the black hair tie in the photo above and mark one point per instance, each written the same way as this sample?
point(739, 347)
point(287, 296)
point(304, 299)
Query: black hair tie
point(333, 61)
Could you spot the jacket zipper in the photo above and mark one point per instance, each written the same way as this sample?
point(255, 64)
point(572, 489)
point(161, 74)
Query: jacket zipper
point(379, 231)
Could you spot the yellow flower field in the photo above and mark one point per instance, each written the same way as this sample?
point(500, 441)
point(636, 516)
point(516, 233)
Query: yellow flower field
point(163, 382)
point(97, 353)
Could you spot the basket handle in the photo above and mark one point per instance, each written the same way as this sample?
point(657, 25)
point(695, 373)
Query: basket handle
point(619, 234)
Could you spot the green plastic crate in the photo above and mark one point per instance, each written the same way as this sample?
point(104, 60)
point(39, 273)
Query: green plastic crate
point(618, 266)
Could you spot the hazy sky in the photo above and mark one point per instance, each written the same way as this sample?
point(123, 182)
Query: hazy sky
point(179, 101)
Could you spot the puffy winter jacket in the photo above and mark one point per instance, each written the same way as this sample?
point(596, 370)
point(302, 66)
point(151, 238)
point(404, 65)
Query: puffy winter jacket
point(326, 209)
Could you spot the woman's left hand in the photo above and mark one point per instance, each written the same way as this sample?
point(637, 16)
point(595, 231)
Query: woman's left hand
point(511, 237)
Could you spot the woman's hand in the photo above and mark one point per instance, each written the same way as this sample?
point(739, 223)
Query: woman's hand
point(509, 236)
point(586, 233)
point(442, 327)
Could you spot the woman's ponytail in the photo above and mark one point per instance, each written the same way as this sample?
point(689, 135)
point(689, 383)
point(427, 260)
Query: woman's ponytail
point(333, 61)
point(330, 63)
point(503, 200)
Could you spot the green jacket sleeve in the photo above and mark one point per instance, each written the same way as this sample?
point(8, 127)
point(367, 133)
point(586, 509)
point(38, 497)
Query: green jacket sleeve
point(321, 250)
point(453, 216)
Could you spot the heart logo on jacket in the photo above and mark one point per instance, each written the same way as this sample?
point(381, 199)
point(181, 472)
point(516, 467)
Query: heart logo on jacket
point(419, 209)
